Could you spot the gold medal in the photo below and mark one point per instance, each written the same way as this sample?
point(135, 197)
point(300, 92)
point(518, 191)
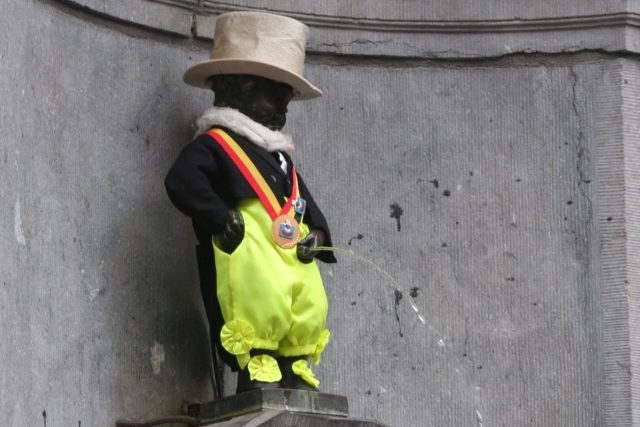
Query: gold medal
point(286, 231)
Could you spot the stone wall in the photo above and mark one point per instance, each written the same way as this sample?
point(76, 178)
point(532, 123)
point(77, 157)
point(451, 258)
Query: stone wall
point(502, 137)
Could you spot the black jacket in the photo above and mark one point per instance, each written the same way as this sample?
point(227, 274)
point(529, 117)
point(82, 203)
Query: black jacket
point(204, 184)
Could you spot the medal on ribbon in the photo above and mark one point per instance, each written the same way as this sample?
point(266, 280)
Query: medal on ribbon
point(286, 231)
point(300, 206)
point(286, 218)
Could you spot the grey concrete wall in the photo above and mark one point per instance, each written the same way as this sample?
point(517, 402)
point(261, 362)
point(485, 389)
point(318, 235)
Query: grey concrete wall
point(499, 252)
point(518, 236)
point(100, 315)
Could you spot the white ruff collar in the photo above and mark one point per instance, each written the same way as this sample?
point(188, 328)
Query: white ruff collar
point(232, 119)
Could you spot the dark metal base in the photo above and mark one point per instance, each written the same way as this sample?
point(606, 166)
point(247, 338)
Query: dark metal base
point(279, 401)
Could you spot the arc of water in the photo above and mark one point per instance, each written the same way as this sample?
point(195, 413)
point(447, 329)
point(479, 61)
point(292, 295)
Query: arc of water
point(392, 282)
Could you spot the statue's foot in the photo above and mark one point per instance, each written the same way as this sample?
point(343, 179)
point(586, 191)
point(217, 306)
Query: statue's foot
point(247, 384)
point(292, 380)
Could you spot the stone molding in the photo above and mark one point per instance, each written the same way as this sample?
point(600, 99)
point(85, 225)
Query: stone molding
point(613, 31)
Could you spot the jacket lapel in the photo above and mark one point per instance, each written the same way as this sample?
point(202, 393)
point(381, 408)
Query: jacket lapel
point(264, 154)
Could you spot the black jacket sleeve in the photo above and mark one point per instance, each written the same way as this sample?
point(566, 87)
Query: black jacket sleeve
point(314, 217)
point(190, 185)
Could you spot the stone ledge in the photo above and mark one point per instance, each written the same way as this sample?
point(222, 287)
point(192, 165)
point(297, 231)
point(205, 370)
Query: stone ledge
point(298, 401)
point(146, 14)
point(451, 38)
point(292, 419)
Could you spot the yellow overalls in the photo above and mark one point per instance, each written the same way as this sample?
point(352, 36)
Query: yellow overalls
point(269, 299)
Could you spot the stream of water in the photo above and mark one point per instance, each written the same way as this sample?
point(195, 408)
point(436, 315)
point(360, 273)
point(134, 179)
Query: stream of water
point(393, 283)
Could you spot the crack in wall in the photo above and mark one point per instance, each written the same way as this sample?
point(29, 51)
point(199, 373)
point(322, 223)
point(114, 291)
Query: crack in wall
point(509, 60)
point(194, 19)
point(586, 293)
point(582, 161)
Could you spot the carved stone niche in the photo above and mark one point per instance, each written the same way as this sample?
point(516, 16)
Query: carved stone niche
point(409, 28)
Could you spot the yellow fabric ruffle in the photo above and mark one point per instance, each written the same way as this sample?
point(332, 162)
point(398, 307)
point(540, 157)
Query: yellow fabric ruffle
point(301, 368)
point(298, 350)
point(264, 368)
point(243, 359)
point(320, 345)
point(237, 338)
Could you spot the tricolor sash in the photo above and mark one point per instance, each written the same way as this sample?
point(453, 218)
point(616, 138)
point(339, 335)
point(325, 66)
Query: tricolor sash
point(286, 230)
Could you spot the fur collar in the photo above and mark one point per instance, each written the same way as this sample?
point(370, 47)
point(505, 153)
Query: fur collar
point(232, 119)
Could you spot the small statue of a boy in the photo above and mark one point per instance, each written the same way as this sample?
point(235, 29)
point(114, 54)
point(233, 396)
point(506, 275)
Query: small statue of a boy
point(257, 223)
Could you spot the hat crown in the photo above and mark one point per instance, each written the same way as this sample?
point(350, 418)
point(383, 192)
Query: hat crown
point(261, 37)
point(258, 44)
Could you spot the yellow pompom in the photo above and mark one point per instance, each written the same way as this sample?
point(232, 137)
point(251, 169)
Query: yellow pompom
point(237, 336)
point(264, 368)
point(301, 368)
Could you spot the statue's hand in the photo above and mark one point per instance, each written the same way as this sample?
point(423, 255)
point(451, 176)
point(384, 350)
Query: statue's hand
point(232, 233)
point(306, 249)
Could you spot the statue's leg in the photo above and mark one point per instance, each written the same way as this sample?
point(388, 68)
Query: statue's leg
point(255, 300)
point(307, 335)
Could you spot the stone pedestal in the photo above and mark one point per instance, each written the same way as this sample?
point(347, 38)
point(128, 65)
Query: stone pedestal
point(276, 407)
point(292, 419)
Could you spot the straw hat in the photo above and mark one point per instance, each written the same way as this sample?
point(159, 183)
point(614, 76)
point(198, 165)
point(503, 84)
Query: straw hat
point(260, 44)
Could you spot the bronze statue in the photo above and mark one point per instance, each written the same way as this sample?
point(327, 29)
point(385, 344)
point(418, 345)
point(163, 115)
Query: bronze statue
point(256, 221)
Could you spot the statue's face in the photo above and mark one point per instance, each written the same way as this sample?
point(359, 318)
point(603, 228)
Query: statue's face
point(266, 102)
point(263, 100)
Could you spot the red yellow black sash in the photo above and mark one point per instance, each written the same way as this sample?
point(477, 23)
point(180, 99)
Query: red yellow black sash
point(285, 228)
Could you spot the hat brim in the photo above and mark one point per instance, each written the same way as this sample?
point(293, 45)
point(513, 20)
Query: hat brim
point(198, 75)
